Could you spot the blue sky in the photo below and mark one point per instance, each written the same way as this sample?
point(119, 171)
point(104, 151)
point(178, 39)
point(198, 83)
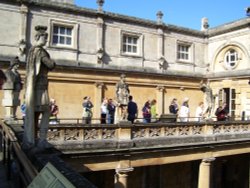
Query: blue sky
point(185, 13)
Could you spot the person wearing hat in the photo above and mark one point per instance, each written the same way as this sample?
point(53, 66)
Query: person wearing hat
point(12, 87)
point(184, 111)
point(37, 100)
point(87, 110)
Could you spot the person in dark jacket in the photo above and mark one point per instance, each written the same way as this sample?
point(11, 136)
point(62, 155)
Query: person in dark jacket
point(173, 108)
point(222, 112)
point(146, 112)
point(132, 109)
point(111, 111)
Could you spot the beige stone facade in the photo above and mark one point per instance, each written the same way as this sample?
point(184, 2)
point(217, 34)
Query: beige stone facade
point(161, 61)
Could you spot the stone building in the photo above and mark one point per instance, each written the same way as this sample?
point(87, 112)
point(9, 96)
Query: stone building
point(161, 61)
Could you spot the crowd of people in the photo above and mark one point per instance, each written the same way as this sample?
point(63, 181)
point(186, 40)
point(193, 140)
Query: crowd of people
point(201, 112)
point(148, 111)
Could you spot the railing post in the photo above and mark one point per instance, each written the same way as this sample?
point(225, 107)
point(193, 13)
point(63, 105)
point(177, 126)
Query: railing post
point(4, 145)
point(8, 158)
point(124, 133)
point(208, 130)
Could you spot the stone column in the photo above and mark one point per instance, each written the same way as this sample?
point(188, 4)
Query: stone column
point(205, 173)
point(98, 101)
point(23, 32)
point(121, 177)
point(100, 49)
point(160, 99)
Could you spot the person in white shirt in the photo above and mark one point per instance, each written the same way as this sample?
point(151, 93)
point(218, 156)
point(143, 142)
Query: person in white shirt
point(104, 110)
point(184, 111)
point(199, 114)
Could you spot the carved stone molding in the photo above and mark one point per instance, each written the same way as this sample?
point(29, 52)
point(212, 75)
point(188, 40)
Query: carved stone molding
point(160, 88)
point(123, 170)
point(208, 160)
point(24, 9)
point(99, 85)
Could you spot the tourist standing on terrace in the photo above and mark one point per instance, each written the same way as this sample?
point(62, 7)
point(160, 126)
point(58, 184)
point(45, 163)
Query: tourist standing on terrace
point(54, 110)
point(222, 112)
point(132, 109)
point(104, 110)
point(146, 113)
point(153, 110)
point(184, 111)
point(173, 108)
point(111, 111)
point(199, 114)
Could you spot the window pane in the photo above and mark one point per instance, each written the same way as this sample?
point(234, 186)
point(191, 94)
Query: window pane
point(62, 40)
point(129, 49)
point(129, 40)
point(124, 48)
point(134, 49)
point(62, 30)
point(55, 29)
point(69, 31)
point(124, 39)
point(55, 39)
point(68, 40)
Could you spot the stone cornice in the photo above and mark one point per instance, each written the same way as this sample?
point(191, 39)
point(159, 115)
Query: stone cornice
point(229, 27)
point(73, 9)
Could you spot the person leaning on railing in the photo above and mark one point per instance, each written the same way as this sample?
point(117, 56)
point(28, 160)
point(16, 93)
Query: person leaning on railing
point(222, 112)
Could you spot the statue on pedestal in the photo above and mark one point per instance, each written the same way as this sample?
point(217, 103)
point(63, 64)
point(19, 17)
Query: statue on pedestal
point(209, 99)
point(122, 96)
point(36, 96)
point(12, 88)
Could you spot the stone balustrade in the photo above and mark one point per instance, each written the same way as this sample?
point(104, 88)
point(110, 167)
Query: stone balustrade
point(125, 135)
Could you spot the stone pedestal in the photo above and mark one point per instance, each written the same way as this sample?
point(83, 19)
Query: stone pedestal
point(121, 113)
point(166, 118)
point(205, 173)
point(10, 102)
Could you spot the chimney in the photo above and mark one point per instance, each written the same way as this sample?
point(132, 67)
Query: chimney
point(204, 24)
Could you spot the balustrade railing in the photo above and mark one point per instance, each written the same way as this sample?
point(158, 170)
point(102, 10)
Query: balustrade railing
point(111, 135)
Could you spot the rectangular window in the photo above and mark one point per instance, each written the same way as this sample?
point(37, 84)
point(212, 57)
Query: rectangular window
point(183, 52)
point(228, 95)
point(130, 44)
point(62, 35)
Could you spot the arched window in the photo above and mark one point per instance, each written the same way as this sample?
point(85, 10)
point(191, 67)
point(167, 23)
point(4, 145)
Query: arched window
point(231, 59)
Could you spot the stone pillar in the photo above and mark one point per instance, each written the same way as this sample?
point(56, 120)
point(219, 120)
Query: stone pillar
point(205, 173)
point(100, 33)
point(98, 101)
point(160, 99)
point(23, 32)
point(121, 177)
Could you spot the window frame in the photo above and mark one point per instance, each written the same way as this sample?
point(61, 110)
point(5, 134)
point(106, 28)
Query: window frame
point(229, 55)
point(189, 53)
point(138, 46)
point(74, 34)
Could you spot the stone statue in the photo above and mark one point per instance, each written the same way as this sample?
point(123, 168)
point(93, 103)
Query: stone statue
point(2, 79)
point(122, 91)
point(122, 95)
point(36, 96)
point(209, 99)
point(12, 88)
